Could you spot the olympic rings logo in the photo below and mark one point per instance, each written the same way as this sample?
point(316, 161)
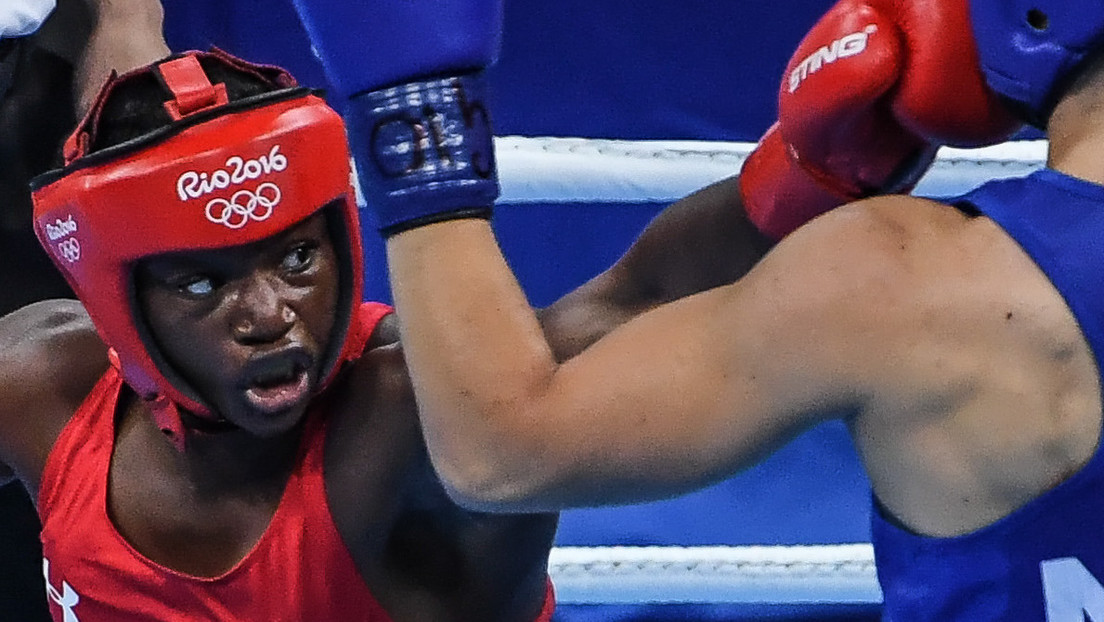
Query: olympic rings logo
point(70, 249)
point(244, 206)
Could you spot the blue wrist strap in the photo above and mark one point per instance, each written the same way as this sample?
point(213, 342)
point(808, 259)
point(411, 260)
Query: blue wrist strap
point(424, 152)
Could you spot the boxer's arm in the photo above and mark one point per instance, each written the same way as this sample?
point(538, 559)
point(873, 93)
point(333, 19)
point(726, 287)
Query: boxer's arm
point(125, 34)
point(675, 399)
point(50, 357)
point(700, 242)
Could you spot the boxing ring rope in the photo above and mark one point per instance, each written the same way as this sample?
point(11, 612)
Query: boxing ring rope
point(610, 172)
point(570, 170)
point(835, 574)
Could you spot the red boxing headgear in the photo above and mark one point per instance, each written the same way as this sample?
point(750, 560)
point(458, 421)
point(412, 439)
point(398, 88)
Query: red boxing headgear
point(221, 174)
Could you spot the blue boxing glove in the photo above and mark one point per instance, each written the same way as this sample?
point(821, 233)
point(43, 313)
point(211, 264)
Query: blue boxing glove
point(410, 75)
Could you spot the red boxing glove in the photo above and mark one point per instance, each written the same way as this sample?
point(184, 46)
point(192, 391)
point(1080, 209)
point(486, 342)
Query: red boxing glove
point(870, 94)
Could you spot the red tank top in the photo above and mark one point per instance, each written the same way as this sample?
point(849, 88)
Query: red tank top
point(299, 570)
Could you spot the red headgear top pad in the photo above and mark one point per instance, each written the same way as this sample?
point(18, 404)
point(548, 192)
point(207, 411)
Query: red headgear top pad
point(223, 174)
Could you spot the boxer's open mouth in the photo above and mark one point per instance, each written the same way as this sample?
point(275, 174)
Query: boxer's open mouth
point(278, 382)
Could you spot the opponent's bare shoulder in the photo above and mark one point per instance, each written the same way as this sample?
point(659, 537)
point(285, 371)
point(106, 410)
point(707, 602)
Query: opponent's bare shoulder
point(896, 240)
point(896, 274)
point(917, 242)
point(862, 278)
point(50, 358)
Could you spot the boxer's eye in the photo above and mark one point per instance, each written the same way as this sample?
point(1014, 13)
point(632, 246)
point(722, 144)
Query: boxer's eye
point(196, 286)
point(300, 257)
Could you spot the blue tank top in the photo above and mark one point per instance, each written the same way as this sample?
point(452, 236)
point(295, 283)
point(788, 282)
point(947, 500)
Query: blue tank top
point(1045, 561)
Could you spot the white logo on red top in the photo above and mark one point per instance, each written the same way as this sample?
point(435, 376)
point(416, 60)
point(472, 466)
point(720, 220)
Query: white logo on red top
point(67, 598)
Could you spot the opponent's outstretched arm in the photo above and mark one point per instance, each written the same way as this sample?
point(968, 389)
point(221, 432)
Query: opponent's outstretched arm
point(674, 399)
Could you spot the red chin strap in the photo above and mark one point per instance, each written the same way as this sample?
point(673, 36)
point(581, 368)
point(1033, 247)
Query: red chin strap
point(166, 415)
point(222, 174)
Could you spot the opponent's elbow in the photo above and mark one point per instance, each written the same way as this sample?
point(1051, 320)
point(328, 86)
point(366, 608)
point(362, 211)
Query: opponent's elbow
point(476, 496)
point(493, 450)
point(489, 483)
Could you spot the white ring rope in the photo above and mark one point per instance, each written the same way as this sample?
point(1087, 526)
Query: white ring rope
point(827, 574)
point(581, 170)
point(587, 170)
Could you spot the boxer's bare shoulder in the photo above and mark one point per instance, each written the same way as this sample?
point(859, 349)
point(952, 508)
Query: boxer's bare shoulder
point(50, 358)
